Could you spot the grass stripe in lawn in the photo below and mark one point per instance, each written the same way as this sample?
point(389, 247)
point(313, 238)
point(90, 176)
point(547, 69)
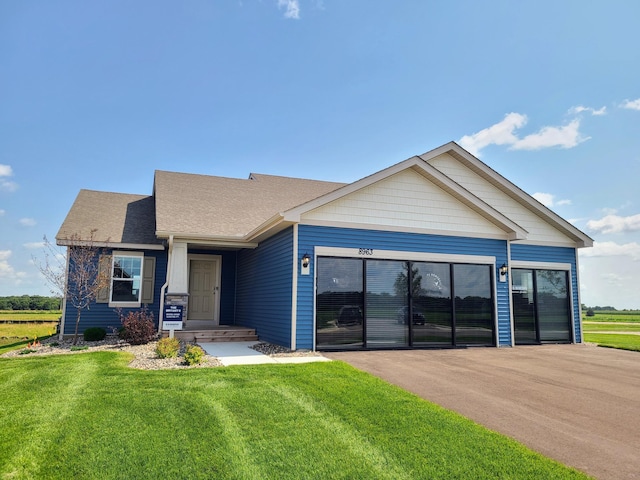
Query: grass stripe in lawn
point(36, 418)
point(610, 327)
point(614, 340)
point(90, 416)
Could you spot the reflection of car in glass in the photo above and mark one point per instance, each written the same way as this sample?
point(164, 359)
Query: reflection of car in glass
point(403, 317)
point(350, 315)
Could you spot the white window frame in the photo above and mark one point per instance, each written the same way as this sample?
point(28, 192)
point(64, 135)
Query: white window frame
point(117, 304)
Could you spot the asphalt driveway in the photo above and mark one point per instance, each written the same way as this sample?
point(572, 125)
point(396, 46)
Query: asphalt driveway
point(578, 404)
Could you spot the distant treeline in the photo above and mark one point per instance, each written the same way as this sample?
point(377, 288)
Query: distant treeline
point(599, 309)
point(30, 302)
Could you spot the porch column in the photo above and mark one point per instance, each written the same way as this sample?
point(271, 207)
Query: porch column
point(179, 269)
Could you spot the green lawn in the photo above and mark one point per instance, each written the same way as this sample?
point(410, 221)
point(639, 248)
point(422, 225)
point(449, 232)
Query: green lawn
point(90, 416)
point(610, 327)
point(624, 342)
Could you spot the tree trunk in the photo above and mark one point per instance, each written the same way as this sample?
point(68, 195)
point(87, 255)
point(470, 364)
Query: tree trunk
point(75, 333)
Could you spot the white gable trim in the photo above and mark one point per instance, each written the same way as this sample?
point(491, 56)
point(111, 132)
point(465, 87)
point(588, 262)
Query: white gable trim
point(513, 230)
point(511, 189)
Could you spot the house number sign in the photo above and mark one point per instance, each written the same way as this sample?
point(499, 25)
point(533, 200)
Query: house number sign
point(365, 251)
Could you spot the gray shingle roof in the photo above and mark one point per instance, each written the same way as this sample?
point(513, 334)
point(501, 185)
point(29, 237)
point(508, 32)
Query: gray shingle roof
point(211, 206)
point(116, 217)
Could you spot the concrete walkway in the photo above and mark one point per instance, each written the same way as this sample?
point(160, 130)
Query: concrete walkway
point(241, 353)
point(578, 404)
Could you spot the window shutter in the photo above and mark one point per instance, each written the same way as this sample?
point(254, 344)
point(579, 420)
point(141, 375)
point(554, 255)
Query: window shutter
point(148, 279)
point(104, 271)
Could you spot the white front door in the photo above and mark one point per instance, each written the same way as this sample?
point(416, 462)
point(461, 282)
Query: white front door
point(204, 288)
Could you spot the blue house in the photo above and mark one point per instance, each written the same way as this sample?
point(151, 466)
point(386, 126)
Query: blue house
point(436, 251)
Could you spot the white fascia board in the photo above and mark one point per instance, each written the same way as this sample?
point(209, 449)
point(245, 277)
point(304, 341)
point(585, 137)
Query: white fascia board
point(210, 240)
point(265, 228)
point(514, 231)
point(482, 169)
point(132, 246)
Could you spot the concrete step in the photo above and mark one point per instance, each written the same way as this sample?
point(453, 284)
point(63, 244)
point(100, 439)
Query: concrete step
point(235, 334)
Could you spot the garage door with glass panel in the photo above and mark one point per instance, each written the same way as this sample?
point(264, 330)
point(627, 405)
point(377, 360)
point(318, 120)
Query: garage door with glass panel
point(394, 304)
point(541, 306)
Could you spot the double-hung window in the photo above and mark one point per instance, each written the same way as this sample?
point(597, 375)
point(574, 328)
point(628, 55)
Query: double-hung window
point(126, 277)
point(130, 279)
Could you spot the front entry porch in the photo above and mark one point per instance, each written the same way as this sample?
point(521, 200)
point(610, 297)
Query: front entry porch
point(201, 331)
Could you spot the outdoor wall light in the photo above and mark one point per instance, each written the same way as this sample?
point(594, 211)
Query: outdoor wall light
point(305, 260)
point(504, 269)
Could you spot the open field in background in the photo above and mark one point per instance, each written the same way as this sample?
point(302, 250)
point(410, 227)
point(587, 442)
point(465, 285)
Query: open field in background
point(24, 326)
point(630, 317)
point(30, 315)
point(317, 420)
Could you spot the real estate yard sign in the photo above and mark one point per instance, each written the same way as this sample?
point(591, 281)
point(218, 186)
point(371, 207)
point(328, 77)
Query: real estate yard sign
point(172, 317)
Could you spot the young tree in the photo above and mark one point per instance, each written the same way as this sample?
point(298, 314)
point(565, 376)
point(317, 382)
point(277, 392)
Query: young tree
point(76, 275)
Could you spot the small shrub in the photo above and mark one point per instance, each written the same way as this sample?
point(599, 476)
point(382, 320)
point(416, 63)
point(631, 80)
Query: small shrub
point(168, 347)
point(193, 355)
point(76, 348)
point(54, 344)
point(138, 327)
point(94, 334)
point(26, 351)
point(591, 313)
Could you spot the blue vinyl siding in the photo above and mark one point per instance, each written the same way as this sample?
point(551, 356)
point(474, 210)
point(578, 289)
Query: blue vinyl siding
point(101, 315)
point(537, 253)
point(227, 283)
point(311, 236)
point(264, 288)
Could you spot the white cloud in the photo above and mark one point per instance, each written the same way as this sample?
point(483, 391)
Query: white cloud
point(613, 249)
point(27, 222)
point(33, 245)
point(544, 198)
point(548, 199)
point(7, 185)
point(593, 111)
point(5, 170)
point(6, 270)
point(502, 133)
point(615, 224)
point(292, 8)
point(564, 137)
point(631, 104)
point(2, 212)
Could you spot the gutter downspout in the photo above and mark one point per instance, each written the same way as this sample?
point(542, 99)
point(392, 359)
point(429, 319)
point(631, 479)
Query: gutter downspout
point(163, 289)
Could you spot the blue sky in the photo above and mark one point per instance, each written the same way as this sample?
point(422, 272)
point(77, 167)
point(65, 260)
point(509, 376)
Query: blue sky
point(99, 94)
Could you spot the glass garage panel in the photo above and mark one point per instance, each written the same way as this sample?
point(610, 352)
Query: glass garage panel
point(432, 309)
point(339, 303)
point(473, 305)
point(524, 307)
point(553, 306)
point(387, 303)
